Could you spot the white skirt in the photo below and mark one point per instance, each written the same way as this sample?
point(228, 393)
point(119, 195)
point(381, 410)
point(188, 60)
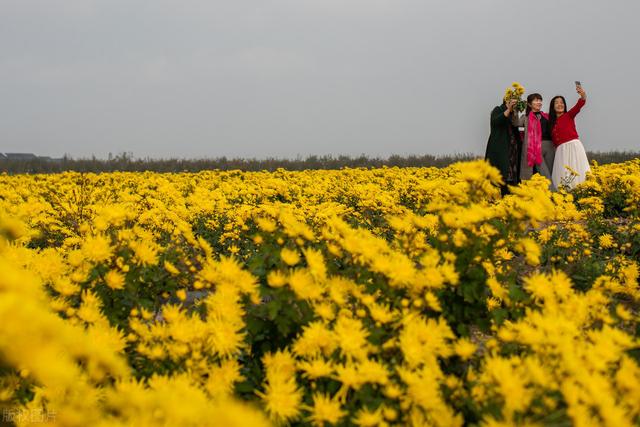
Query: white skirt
point(570, 154)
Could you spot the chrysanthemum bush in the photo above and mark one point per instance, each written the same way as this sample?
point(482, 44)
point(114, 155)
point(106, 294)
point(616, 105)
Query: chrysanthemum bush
point(414, 296)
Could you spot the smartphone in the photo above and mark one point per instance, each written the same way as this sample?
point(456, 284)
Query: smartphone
point(578, 83)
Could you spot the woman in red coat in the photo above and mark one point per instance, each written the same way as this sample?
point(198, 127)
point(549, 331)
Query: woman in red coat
point(569, 150)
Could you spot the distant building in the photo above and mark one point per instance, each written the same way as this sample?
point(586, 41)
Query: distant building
point(27, 156)
point(20, 156)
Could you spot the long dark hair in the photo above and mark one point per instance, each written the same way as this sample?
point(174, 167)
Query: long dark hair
point(553, 117)
point(530, 99)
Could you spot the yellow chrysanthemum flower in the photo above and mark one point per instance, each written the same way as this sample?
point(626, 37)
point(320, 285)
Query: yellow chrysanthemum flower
point(114, 279)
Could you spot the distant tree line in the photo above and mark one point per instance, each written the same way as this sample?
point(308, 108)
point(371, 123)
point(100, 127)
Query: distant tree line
point(127, 163)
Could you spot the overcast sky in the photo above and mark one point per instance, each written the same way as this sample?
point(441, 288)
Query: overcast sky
point(287, 78)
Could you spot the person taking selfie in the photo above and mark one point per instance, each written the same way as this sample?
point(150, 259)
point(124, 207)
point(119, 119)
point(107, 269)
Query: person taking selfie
point(570, 165)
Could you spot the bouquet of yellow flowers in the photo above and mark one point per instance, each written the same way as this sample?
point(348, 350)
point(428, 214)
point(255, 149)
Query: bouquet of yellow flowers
point(515, 91)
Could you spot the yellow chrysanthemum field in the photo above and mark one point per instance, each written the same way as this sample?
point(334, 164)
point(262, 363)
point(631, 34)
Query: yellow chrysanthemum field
point(368, 297)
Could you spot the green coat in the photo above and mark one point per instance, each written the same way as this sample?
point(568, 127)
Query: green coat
point(498, 146)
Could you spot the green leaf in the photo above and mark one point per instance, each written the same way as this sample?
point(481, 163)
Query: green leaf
point(273, 308)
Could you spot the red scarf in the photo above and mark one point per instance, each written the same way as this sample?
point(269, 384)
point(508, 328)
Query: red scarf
point(534, 139)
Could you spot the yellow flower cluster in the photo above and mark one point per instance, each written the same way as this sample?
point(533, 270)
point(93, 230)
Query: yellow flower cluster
point(515, 91)
point(369, 297)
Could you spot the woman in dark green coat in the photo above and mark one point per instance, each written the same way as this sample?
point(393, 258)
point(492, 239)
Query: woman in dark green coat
point(504, 146)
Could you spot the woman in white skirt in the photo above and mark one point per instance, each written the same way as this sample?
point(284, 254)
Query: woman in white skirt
point(570, 165)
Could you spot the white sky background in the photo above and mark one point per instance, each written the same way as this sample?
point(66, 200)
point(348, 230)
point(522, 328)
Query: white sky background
point(287, 78)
